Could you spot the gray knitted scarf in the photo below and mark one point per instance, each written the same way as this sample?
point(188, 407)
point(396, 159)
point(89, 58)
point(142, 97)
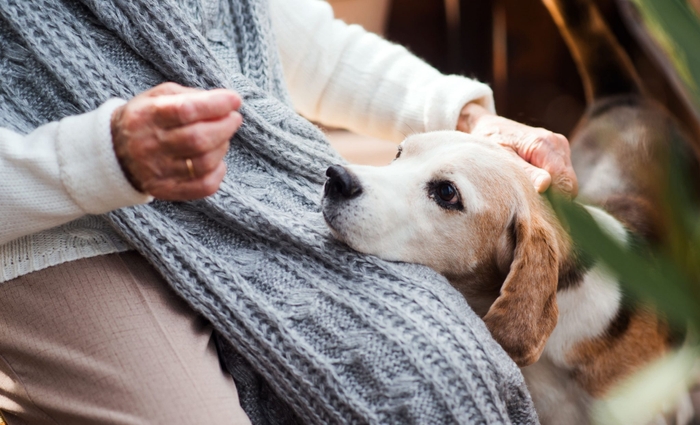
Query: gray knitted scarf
point(311, 331)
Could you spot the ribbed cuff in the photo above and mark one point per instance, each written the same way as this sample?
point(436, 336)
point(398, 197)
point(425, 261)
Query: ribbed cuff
point(448, 95)
point(88, 165)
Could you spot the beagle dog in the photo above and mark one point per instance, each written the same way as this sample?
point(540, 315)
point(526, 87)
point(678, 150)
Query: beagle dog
point(463, 206)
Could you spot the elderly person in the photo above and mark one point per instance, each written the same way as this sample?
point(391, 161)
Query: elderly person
point(121, 303)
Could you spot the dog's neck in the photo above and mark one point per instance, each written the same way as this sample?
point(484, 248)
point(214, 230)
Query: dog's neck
point(573, 262)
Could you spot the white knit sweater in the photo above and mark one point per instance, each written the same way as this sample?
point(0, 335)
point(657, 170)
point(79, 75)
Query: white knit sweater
point(54, 180)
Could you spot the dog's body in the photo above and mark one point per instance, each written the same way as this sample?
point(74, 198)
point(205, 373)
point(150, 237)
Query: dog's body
point(620, 151)
point(464, 207)
point(499, 244)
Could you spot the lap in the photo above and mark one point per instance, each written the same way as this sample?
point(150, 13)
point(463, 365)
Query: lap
point(104, 340)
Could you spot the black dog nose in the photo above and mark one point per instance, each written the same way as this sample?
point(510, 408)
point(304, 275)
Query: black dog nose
point(341, 183)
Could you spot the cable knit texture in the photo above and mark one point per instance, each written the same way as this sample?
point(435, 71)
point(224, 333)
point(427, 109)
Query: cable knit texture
point(312, 332)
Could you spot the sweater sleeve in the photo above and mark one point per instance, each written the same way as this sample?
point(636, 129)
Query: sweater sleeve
point(59, 172)
point(341, 75)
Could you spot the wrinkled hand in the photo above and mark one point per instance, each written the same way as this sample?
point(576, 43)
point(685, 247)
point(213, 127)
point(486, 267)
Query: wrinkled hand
point(547, 155)
point(156, 132)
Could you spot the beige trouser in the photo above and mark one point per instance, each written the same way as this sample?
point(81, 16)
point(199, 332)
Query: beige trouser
point(105, 341)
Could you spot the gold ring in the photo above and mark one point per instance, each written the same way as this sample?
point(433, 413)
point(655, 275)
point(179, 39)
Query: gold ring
point(190, 168)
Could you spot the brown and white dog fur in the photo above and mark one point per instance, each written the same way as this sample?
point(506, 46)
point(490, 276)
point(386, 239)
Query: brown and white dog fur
point(463, 206)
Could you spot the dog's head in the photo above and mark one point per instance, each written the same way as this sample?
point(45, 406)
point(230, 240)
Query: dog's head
point(464, 207)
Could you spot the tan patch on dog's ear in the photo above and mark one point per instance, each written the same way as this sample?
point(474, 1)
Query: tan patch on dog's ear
point(525, 313)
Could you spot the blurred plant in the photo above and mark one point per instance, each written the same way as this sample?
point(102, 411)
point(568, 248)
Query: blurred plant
point(667, 276)
point(675, 27)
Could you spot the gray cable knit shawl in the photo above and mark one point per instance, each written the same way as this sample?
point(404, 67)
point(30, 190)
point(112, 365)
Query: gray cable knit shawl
point(311, 331)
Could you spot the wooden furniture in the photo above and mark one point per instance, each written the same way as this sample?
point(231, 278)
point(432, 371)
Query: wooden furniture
point(514, 46)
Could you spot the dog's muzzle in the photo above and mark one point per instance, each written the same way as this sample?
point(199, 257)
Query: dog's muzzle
point(341, 183)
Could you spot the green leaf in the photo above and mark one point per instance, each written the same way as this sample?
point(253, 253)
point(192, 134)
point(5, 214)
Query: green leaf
point(676, 29)
point(658, 281)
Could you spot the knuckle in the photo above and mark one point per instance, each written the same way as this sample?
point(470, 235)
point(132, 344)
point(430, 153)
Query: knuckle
point(236, 120)
point(550, 140)
point(209, 163)
point(197, 141)
point(565, 144)
point(559, 139)
point(162, 136)
point(538, 142)
point(545, 136)
point(185, 111)
point(210, 186)
point(167, 109)
point(130, 117)
point(169, 86)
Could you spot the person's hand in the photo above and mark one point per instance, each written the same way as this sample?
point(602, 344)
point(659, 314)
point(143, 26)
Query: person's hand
point(547, 157)
point(171, 140)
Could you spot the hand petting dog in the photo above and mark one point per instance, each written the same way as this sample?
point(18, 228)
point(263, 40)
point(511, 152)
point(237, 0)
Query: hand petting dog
point(546, 155)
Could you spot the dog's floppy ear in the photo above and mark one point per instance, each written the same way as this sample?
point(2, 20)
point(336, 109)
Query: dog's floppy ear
point(525, 313)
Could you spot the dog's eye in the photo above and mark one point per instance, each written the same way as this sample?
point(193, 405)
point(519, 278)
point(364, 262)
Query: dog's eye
point(445, 194)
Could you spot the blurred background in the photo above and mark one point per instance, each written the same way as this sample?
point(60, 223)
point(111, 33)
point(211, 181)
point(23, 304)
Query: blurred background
point(513, 45)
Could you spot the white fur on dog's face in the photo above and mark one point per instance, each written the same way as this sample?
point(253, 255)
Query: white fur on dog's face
point(400, 216)
point(464, 207)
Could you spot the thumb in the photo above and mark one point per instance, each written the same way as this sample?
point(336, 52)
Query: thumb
point(540, 178)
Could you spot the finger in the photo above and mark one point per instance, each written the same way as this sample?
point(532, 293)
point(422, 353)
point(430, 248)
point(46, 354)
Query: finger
point(550, 151)
point(169, 88)
point(564, 180)
point(174, 190)
point(558, 165)
point(188, 108)
point(540, 178)
point(201, 165)
point(200, 138)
